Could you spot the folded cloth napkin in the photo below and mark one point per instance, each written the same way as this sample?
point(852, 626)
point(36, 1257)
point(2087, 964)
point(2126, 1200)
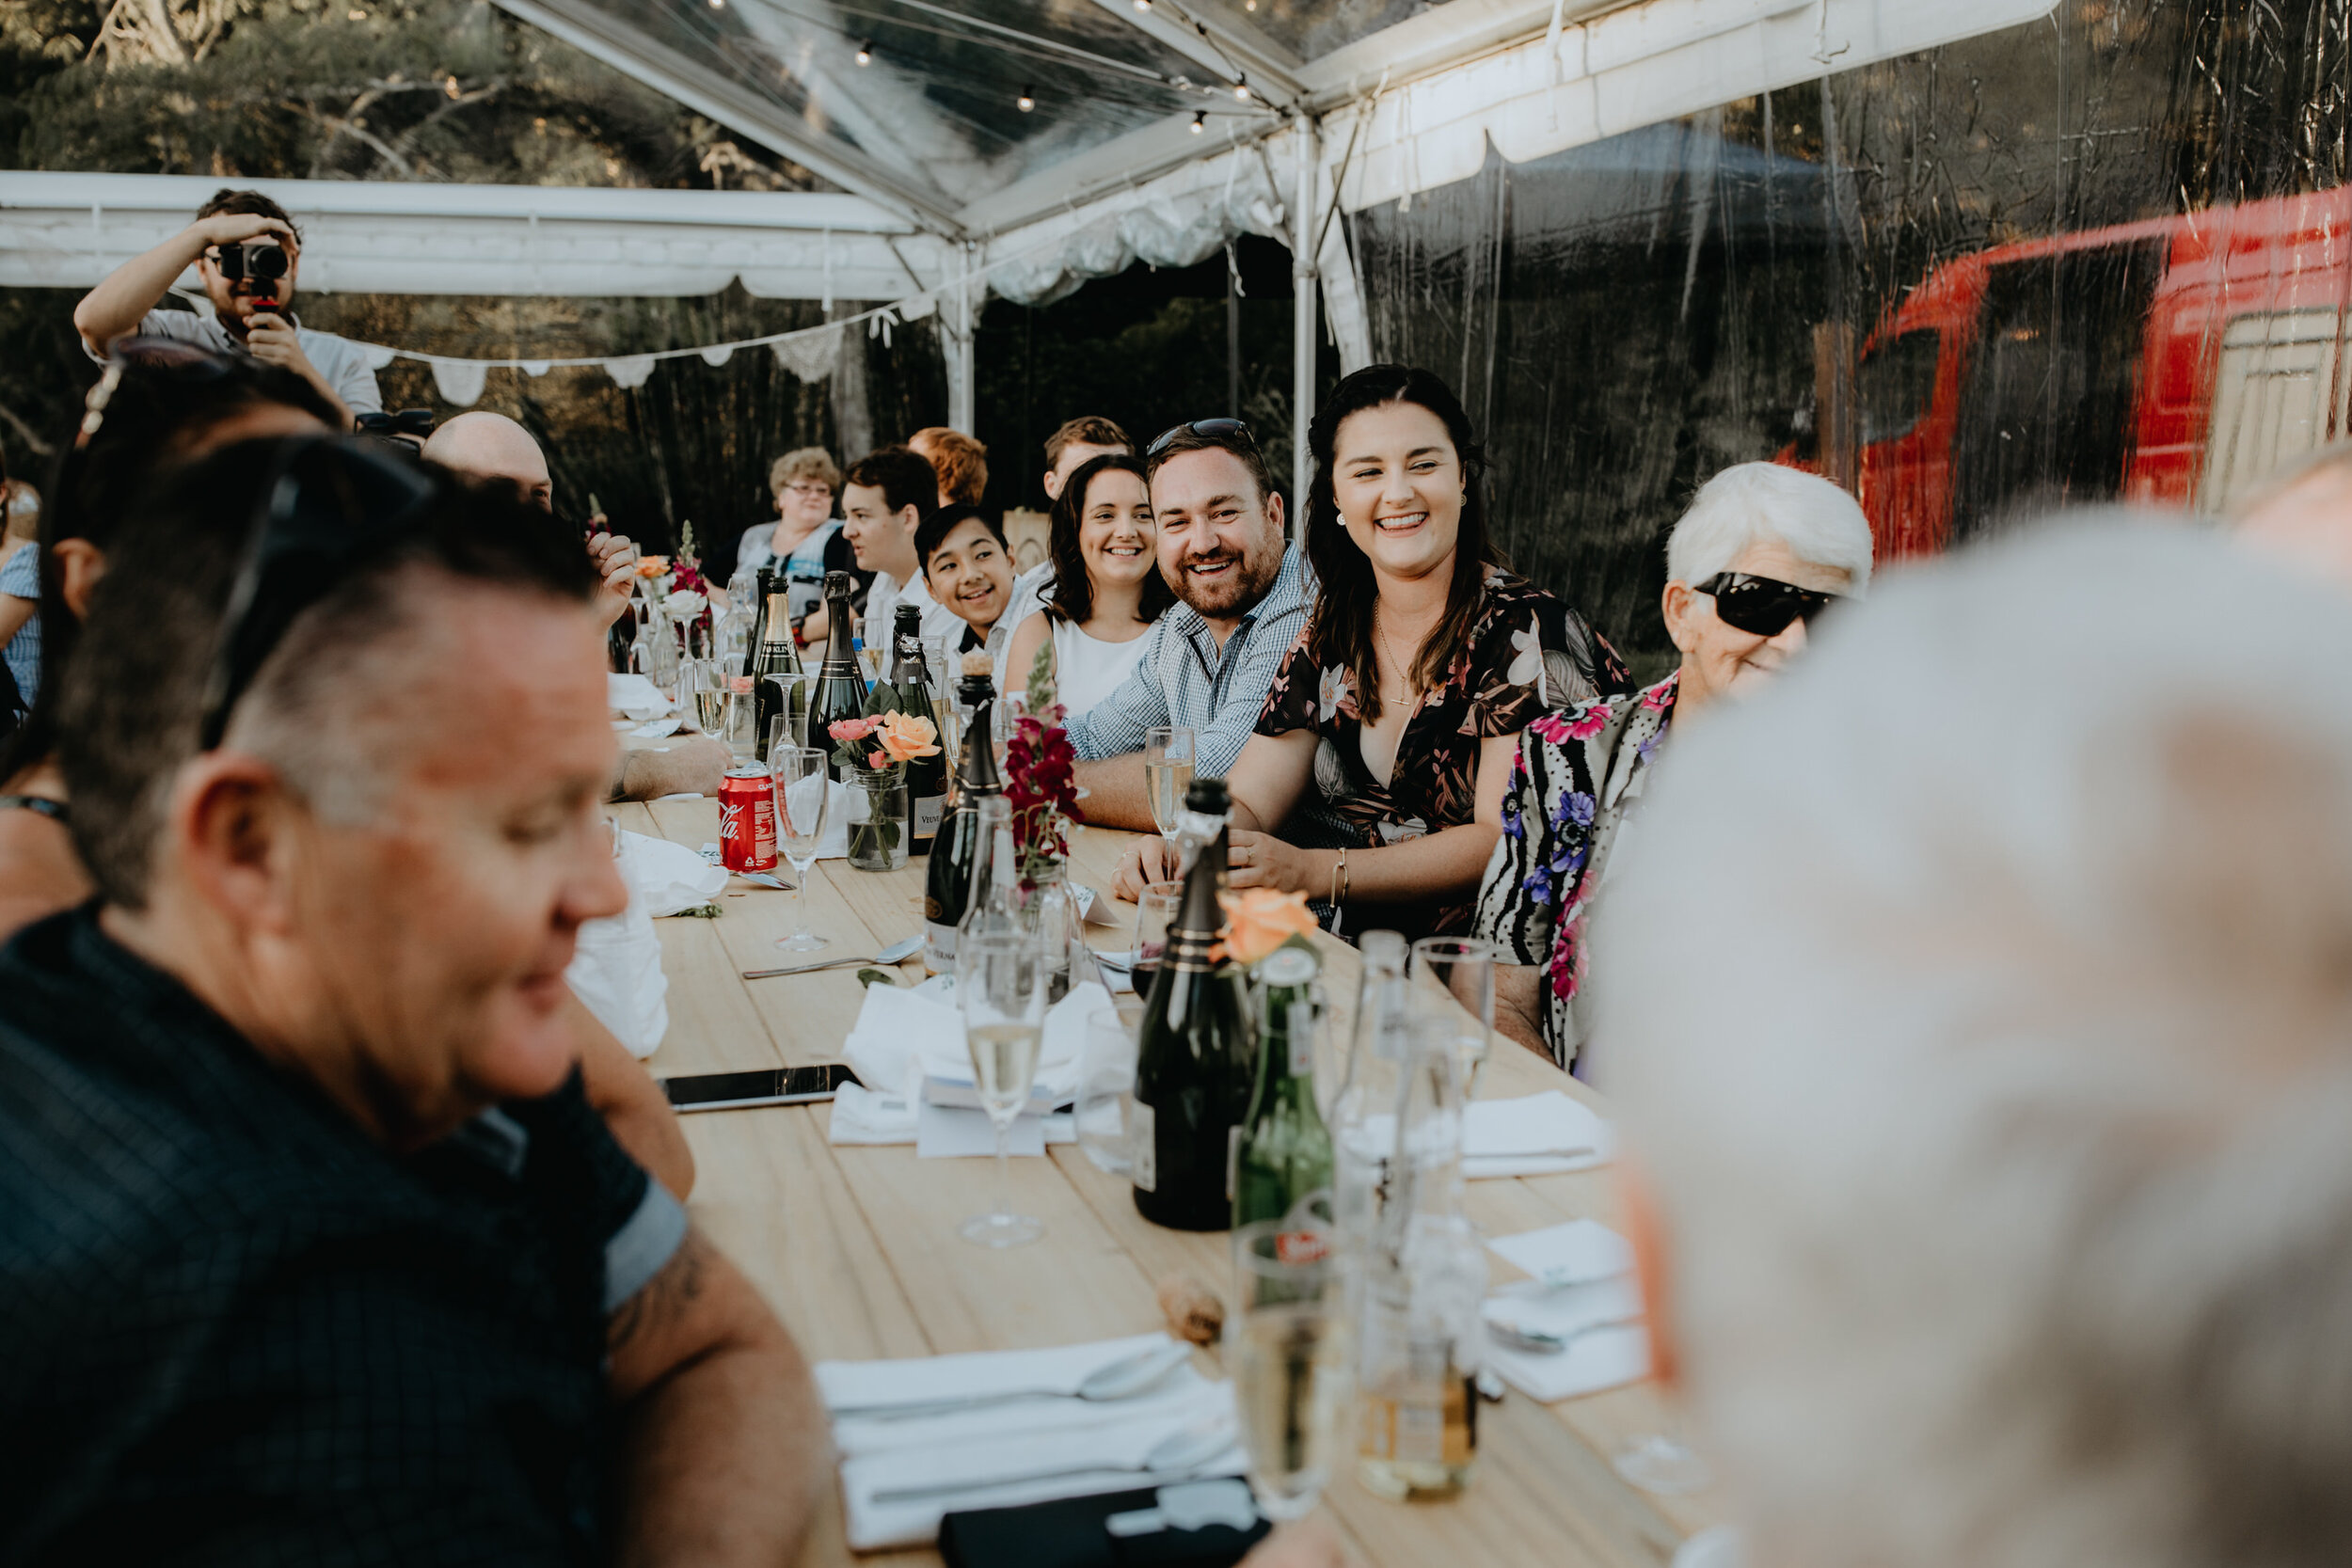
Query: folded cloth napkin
point(862, 1116)
point(634, 696)
point(1513, 1138)
point(616, 966)
point(902, 1036)
point(1576, 1253)
point(668, 876)
point(1601, 1358)
point(1025, 1440)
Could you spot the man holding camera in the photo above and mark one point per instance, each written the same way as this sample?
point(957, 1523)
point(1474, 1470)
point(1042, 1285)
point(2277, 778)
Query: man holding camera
point(247, 252)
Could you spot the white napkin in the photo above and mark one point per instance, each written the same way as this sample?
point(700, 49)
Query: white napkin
point(1002, 1450)
point(616, 967)
point(1602, 1359)
point(657, 729)
point(1497, 1135)
point(862, 1116)
point(902, 1036)
point(1576, 1253)
point(634, 696)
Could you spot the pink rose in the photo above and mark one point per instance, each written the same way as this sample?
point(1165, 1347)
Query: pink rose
point(848, 730)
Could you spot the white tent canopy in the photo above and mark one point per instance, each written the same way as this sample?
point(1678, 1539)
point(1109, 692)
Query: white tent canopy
point(1159, 129)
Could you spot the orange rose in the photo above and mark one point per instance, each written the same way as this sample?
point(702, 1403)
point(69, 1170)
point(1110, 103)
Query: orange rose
point(905, 736)
point(1258, 920)
point(652, 565)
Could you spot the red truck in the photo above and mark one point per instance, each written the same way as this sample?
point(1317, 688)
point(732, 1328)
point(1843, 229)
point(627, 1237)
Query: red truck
point(2174, 362)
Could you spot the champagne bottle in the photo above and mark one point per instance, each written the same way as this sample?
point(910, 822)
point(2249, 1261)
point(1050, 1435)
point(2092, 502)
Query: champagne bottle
point(772, 653)
point(1192, 1069)
point(927, 777)
point(840, 689)
point(1285, 1153)
point(959, 846)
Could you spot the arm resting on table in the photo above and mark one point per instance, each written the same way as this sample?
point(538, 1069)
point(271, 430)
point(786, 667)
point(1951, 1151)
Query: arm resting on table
point(724, 1454)
point(1519, 1006)
point(635, 1110)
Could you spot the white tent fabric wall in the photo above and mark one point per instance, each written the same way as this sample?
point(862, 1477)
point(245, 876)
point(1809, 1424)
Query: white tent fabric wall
point(1565, 82)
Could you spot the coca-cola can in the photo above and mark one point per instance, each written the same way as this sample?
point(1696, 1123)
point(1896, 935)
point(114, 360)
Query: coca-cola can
point(747, 820)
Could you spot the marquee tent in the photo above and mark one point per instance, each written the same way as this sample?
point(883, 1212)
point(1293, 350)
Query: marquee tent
point(1021, 147)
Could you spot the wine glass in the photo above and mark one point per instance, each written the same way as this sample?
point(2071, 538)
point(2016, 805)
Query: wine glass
point(1167, 756)
point(1107, 1085)
point(1156, 909)
point(1293, 1360)
point(708, 683)
point(1452, 982)
point(1001, 983)
point(803, 795)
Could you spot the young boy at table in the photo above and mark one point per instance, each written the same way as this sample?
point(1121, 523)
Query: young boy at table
point(968, 568)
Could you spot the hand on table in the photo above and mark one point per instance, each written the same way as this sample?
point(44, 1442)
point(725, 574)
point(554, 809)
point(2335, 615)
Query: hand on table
point(616, 557)
point(1148, 860)
point(1261, 860)
point(692, 765)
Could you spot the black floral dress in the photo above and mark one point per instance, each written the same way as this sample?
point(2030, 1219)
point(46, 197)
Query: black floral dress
point(1527, 654)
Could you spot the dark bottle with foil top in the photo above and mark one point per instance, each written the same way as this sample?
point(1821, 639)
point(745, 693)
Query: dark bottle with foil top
point(927, 777)
point(1193, 1065)
point(839, 692)
point(772, 653)
point(960, 843)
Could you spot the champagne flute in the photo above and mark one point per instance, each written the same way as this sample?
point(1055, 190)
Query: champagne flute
point(1001, 984)
point(1293, 1362)
point(709, 687)
point(1453, 985)
point(803, 795)
point(1167, 755)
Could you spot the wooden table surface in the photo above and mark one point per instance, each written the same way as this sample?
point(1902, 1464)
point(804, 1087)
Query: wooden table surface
point(857, 1249)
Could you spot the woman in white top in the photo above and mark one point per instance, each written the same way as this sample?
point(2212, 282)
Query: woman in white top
point(1107, 590)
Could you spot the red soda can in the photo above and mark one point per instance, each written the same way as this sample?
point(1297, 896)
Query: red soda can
point(747, 819)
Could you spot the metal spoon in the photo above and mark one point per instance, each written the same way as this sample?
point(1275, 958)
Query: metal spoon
point(1535, 1341)
point(1173, 1454)
point(1124, 1378)
point(890, 955)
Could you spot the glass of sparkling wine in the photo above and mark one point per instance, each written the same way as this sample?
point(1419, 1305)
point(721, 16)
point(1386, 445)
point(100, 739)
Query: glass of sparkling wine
point(1001, 983)
point(803, 795)
point(1167, 753)
point(1293, 1367)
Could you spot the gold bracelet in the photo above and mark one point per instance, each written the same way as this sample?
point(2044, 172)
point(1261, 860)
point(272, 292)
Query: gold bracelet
point(1338, 880)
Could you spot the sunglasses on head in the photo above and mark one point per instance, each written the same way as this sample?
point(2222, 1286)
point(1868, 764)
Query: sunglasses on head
point(329, 506)
point(1762, 606)
point(1208, 430)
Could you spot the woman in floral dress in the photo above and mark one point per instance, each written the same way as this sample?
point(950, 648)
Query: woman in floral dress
point(1373, 783)
point(1762, 551)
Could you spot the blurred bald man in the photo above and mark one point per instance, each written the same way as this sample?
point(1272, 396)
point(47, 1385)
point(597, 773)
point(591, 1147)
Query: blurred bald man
point(2303, 517)
point(489, 446)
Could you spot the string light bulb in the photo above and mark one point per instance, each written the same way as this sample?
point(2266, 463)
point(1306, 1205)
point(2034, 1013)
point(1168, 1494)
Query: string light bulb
point(1027, 101)
point(865, 53)
point(1241, 89)
point(1199, 121)
point(1143, 5)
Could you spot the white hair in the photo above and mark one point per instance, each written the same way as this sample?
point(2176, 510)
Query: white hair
point(2004, 1136)
point(1749, 503)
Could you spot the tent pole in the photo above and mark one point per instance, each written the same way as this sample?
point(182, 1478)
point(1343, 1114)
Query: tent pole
point(961, 341)
point(1302, 321)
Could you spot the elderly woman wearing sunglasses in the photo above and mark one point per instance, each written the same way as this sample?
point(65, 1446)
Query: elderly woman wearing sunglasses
point(1762, 549)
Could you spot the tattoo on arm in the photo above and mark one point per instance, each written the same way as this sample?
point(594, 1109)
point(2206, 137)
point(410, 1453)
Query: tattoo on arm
point(669, 1296)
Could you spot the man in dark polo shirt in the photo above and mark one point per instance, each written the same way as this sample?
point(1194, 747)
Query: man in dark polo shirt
point(310, 1250)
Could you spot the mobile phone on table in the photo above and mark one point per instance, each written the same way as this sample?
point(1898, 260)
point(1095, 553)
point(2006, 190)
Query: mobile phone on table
point(732, 1091)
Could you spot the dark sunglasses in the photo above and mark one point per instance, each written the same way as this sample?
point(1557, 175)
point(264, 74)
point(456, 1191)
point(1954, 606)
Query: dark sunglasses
point(329, 506)
point(1763, 607)
point(1208, 430)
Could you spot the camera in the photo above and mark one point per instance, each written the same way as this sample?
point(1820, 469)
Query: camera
point(263, 261)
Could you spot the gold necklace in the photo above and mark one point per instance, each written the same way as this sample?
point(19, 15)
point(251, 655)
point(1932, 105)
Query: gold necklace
point(1411, 693)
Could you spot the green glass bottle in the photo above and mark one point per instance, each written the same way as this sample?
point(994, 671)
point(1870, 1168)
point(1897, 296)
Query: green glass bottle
point(1285, 1154)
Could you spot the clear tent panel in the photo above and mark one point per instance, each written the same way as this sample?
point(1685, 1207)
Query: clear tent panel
point(934, 93)
point(2104, 256)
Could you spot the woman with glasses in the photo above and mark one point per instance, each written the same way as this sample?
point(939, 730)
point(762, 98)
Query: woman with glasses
point(1106, 588)
point(1762, 551)
point(805, 542)
point(1373, 782)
